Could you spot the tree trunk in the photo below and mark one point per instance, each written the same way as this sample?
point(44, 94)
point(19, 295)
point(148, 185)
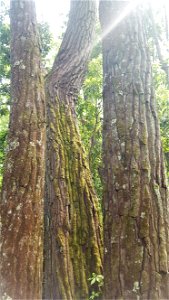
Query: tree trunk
point(22, 191)
point(136, 213)
point(73, 229)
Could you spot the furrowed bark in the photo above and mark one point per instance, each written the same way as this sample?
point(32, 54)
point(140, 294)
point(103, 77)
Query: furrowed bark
point(22, 190)
point(136, 212)
point(72, 225)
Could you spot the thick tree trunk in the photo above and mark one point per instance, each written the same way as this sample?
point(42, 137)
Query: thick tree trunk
point(22, 191)
point(73, 229)
point(136, 212)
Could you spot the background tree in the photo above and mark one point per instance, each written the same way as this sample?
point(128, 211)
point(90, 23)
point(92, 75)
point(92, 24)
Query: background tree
point(72, 226)
point(135, 188)
point(22, 190)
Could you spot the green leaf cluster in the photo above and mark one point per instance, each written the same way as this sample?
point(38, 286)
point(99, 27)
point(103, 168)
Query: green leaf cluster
point(162, 96)
point(4, 61)
point(97, 280)
point(89, 112)
point(3, 142)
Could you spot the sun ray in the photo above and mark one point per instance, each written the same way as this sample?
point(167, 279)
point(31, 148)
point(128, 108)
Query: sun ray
point(131, 6)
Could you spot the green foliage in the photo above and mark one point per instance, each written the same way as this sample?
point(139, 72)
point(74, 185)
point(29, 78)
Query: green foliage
point(94, 295)
point(4, 61)
point(46, 38)
point(4, 83)
point(47, 46)
point(97, 281)
point(89, 112)
point(162, 95)
point(3, 134)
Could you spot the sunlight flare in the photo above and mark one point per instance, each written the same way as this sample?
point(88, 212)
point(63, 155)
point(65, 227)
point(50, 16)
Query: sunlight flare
point(131, 6)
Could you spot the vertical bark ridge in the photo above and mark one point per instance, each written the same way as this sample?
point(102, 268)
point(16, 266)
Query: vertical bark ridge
point(73, 235)
point(135, 187)
point(22, 190)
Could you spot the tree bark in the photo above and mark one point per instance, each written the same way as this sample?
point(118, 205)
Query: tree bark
point(22, 191)
point(72, 225)
point(136, 212)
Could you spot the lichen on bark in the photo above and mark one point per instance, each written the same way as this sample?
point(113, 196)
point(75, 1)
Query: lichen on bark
point(73, 229)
